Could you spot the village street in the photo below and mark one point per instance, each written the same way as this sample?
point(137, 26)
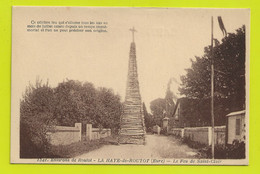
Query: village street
point(156, 147)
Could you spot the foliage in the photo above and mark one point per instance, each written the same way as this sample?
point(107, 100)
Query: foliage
point(74, 102)
point(236, 150)
point(78, 148)
point(229, 63)
point(148, 120)
point(229, 78)
point(164, 131)
point(81, 102)
point(196, 112)
point(108, 110)
point(193, 144)
point(70, 102)
point(36, 118)
point(158, 109)
point(230, 151)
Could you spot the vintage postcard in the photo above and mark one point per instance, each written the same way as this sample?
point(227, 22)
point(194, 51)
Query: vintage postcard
point(138, 86)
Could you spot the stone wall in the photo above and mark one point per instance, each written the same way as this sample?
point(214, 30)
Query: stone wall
point(156, 129)
point(220, 135)
point(63, 135)
point(201, 135)
point(96, 133)
point(178, 132)
point(198, 134)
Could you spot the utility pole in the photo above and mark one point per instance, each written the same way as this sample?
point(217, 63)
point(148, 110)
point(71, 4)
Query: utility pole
point(212, 93)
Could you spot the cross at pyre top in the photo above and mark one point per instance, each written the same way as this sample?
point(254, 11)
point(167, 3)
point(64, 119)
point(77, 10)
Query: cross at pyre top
point(133, 30)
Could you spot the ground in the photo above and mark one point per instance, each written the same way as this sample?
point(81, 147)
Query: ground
point(157, 146)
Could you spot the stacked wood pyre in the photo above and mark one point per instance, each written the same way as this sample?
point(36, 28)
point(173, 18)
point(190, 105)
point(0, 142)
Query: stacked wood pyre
point(132, 129)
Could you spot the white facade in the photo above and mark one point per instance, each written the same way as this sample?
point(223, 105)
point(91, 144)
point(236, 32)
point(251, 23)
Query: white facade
point(236, 126)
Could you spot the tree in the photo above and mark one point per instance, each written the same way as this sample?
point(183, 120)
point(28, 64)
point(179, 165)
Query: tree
point(158, 109)
point(148, 119)
point(108, 110)
point(229, 63)
point(77, 102)
point(74, 102)
point(36, 119)
point(43, 107)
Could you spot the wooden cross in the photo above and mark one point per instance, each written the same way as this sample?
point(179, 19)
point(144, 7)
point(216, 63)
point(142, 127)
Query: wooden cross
point(133, 30)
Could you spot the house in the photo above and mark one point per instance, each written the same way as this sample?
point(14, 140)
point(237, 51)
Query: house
point(236, 126)
point(191, 112)
point(186, 114)
point(177, 121)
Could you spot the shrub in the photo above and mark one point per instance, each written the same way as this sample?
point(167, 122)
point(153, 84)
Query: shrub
point(36, 119)
point(233, 151)
point(192, 144)
point(164, 131)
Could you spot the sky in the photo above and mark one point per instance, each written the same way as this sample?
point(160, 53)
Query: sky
point(166, 40)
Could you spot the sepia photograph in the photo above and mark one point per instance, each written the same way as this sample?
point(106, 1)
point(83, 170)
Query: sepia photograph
point(135, 86)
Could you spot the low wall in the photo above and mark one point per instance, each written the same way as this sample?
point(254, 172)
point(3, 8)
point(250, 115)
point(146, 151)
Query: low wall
point(178, 132)
point(156, 129)
point(96, 133)
point(202, 135)
point(198, 134)
point(63, 135)
point(220, 135)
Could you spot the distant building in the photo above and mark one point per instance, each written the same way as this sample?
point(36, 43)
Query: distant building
point(187, 113)
point(236, 126)
point(176, 120)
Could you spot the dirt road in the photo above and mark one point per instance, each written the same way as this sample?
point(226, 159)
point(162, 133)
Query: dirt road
point(156, 147)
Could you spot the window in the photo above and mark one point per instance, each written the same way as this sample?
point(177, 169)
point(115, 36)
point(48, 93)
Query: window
point(237, 126)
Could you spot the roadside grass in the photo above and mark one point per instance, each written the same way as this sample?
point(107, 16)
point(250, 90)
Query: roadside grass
point(176, 149)
point(201, 153)
point(233, 151)
point(78, 148)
